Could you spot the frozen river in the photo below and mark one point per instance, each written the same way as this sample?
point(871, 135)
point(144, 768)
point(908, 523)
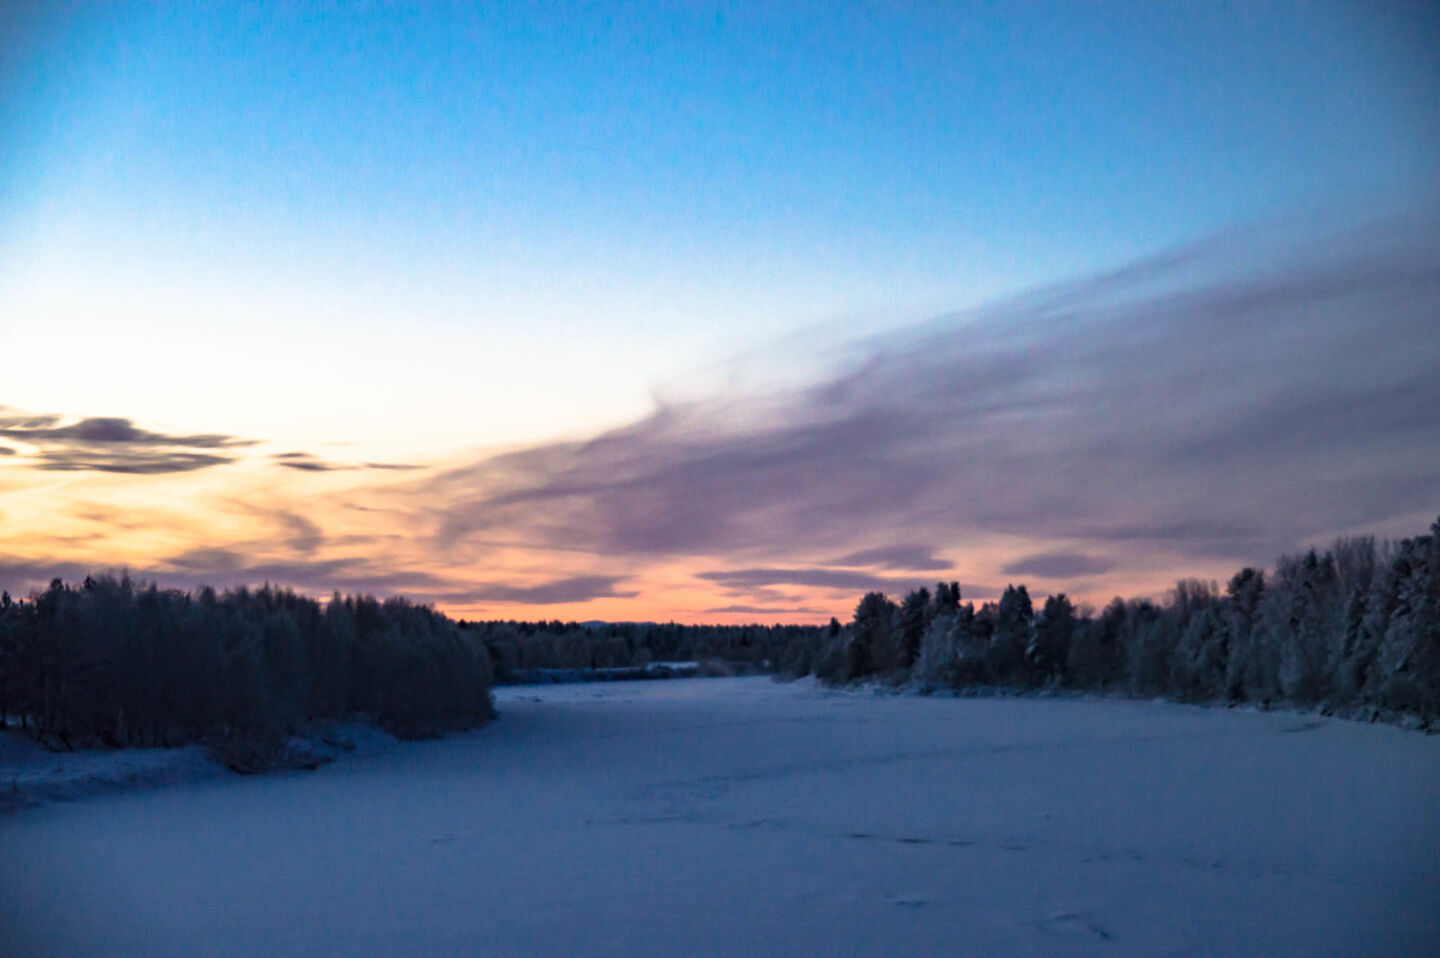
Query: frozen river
point(742, 817)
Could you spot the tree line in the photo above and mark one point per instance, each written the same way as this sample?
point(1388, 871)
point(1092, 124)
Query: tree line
point(1354, 627)
point(115, 662)
point(517, 647)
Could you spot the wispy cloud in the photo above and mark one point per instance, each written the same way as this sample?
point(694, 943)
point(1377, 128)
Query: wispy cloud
point(764, 610)
point(109, 444)
point(580, 588)
point(308, 462)
point(1226, 400)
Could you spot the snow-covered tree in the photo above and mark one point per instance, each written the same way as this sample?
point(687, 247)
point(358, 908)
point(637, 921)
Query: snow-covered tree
point(1198, 668)
point(1409, 655)
point(939, 661)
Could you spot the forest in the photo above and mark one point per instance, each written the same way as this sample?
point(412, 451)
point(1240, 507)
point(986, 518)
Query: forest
point(1353, 629)
point(112, 662)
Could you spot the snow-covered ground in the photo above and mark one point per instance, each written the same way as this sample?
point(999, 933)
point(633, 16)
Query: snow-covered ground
point(738, 817)
point(31, 774)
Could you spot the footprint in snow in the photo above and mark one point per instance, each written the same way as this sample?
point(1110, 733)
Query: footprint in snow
point(1074, 924)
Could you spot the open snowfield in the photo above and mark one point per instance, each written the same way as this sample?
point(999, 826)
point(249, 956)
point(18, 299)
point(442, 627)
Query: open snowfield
point(738, 817)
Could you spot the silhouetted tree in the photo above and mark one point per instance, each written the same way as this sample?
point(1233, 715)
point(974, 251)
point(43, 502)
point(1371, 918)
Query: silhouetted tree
point(1049, 647)
point(874, 644)
point(915, 613)
point(1014, 618)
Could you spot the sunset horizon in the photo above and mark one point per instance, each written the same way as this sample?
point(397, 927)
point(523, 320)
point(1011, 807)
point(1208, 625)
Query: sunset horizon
point(712, 315)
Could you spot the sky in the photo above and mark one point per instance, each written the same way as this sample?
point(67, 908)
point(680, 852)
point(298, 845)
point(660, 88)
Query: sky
point(713, 312)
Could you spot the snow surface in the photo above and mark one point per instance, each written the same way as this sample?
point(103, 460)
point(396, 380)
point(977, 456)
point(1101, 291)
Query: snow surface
point(738, 816)
point(31, 774)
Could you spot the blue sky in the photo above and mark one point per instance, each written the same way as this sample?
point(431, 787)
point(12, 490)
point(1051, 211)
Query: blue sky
point(805, 162)
point(425, 229)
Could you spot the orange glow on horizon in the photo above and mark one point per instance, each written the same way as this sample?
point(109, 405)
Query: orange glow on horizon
point(318, 533)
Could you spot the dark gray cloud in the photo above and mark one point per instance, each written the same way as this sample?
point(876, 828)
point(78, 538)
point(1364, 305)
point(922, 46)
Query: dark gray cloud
point(307, 462)
point(302, 462)
point(1227, 400)
point(905, 557)
point(140, 462)
point(1058, 565)
point(580, 588)
point(305, 534)
point(109, 444)
point(209, 560)
point(6, 451)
